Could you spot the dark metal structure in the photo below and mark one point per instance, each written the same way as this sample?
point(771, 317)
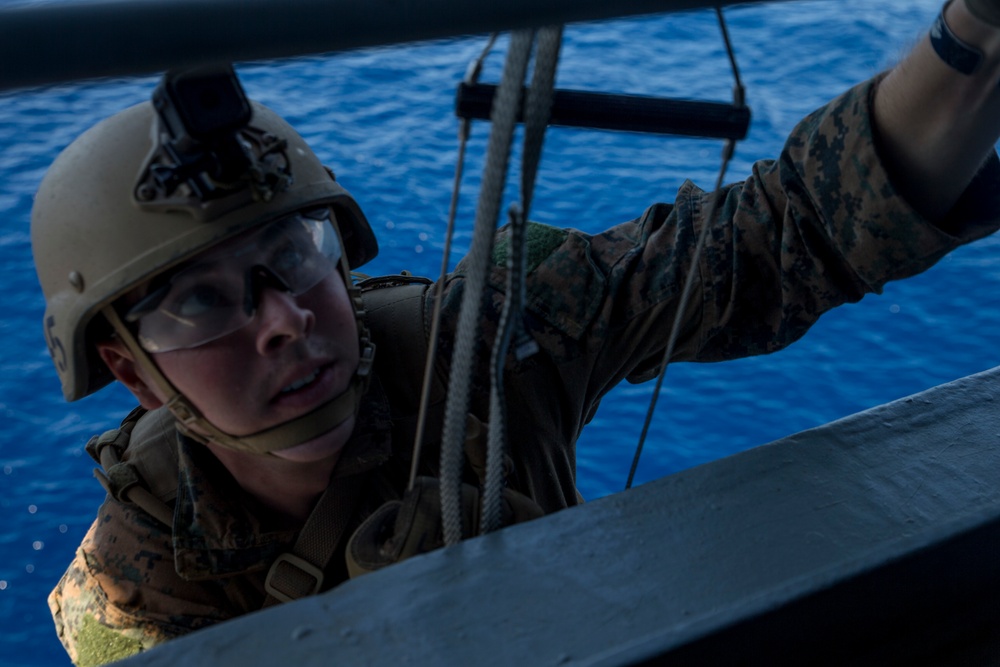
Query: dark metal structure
point(873, 540)
point(629, 113)
point(51, 43)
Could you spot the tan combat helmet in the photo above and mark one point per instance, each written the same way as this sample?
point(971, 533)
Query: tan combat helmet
point(129, 199)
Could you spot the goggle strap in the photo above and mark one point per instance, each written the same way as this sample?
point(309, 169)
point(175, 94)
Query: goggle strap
point(141, 358)
point(186, 414)
point(309, 425)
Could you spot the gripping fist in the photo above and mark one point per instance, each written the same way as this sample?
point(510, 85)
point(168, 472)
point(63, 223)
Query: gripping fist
point(987, 11)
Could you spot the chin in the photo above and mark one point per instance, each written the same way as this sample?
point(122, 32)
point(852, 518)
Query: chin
point(321, 448)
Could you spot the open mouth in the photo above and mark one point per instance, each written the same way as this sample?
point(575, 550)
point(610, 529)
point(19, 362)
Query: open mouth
point(299, 384)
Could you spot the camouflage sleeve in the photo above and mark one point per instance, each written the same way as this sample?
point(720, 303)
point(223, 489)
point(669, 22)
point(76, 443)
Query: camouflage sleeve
point(820, 226)
point(93, 629)
point(121, 594)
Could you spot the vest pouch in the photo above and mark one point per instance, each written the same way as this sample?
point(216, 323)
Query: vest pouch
point(404, 528)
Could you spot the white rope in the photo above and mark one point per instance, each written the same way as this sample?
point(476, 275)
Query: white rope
point(537, 108)
point(503, 118)
point(464, 130)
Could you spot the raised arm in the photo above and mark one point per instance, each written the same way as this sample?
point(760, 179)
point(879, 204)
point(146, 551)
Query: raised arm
point(937, 114)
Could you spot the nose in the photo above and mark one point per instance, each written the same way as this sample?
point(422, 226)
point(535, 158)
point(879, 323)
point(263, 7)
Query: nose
point(281, 320)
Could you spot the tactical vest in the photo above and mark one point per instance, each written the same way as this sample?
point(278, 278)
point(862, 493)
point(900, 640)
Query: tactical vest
point(139, 459)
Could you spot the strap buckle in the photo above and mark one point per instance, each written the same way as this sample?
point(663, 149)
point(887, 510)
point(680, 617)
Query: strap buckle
point(294, 579)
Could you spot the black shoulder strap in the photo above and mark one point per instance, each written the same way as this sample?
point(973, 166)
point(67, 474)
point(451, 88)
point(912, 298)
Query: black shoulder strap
point(394, 313)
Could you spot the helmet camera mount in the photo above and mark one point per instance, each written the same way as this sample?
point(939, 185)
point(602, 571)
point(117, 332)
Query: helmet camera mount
point(205, 146)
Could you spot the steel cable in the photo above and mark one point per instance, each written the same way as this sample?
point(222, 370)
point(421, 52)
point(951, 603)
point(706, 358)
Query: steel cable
point(727, 155)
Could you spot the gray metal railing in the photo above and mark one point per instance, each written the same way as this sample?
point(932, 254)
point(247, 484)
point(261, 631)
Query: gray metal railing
point(53, 43)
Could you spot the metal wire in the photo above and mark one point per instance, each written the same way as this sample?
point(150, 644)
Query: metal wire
point(727, 155)
point(464, 130)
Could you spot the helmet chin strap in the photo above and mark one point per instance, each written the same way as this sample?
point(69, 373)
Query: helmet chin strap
point(283, 436)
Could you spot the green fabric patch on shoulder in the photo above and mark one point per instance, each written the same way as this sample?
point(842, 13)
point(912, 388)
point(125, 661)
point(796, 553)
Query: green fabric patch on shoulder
point(97, 644)
point(542, 240)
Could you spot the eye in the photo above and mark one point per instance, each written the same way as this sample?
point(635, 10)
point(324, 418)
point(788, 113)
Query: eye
point(197, 300)
point(287, 259)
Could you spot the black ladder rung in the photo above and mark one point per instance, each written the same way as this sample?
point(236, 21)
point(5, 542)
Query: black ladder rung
point(629, 113)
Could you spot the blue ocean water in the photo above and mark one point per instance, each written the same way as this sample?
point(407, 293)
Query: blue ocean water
point(383, 119)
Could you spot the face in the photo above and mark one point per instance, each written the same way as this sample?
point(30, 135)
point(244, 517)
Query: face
point(297, 351)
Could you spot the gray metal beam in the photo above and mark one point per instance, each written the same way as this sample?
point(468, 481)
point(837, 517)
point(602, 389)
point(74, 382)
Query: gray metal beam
point(873, 540)
point(54, 43)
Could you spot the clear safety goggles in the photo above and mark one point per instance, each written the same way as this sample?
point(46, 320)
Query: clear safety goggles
point(218, 293)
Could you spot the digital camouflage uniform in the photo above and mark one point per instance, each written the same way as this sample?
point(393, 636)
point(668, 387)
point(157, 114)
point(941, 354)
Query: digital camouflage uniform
point(821, 226)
